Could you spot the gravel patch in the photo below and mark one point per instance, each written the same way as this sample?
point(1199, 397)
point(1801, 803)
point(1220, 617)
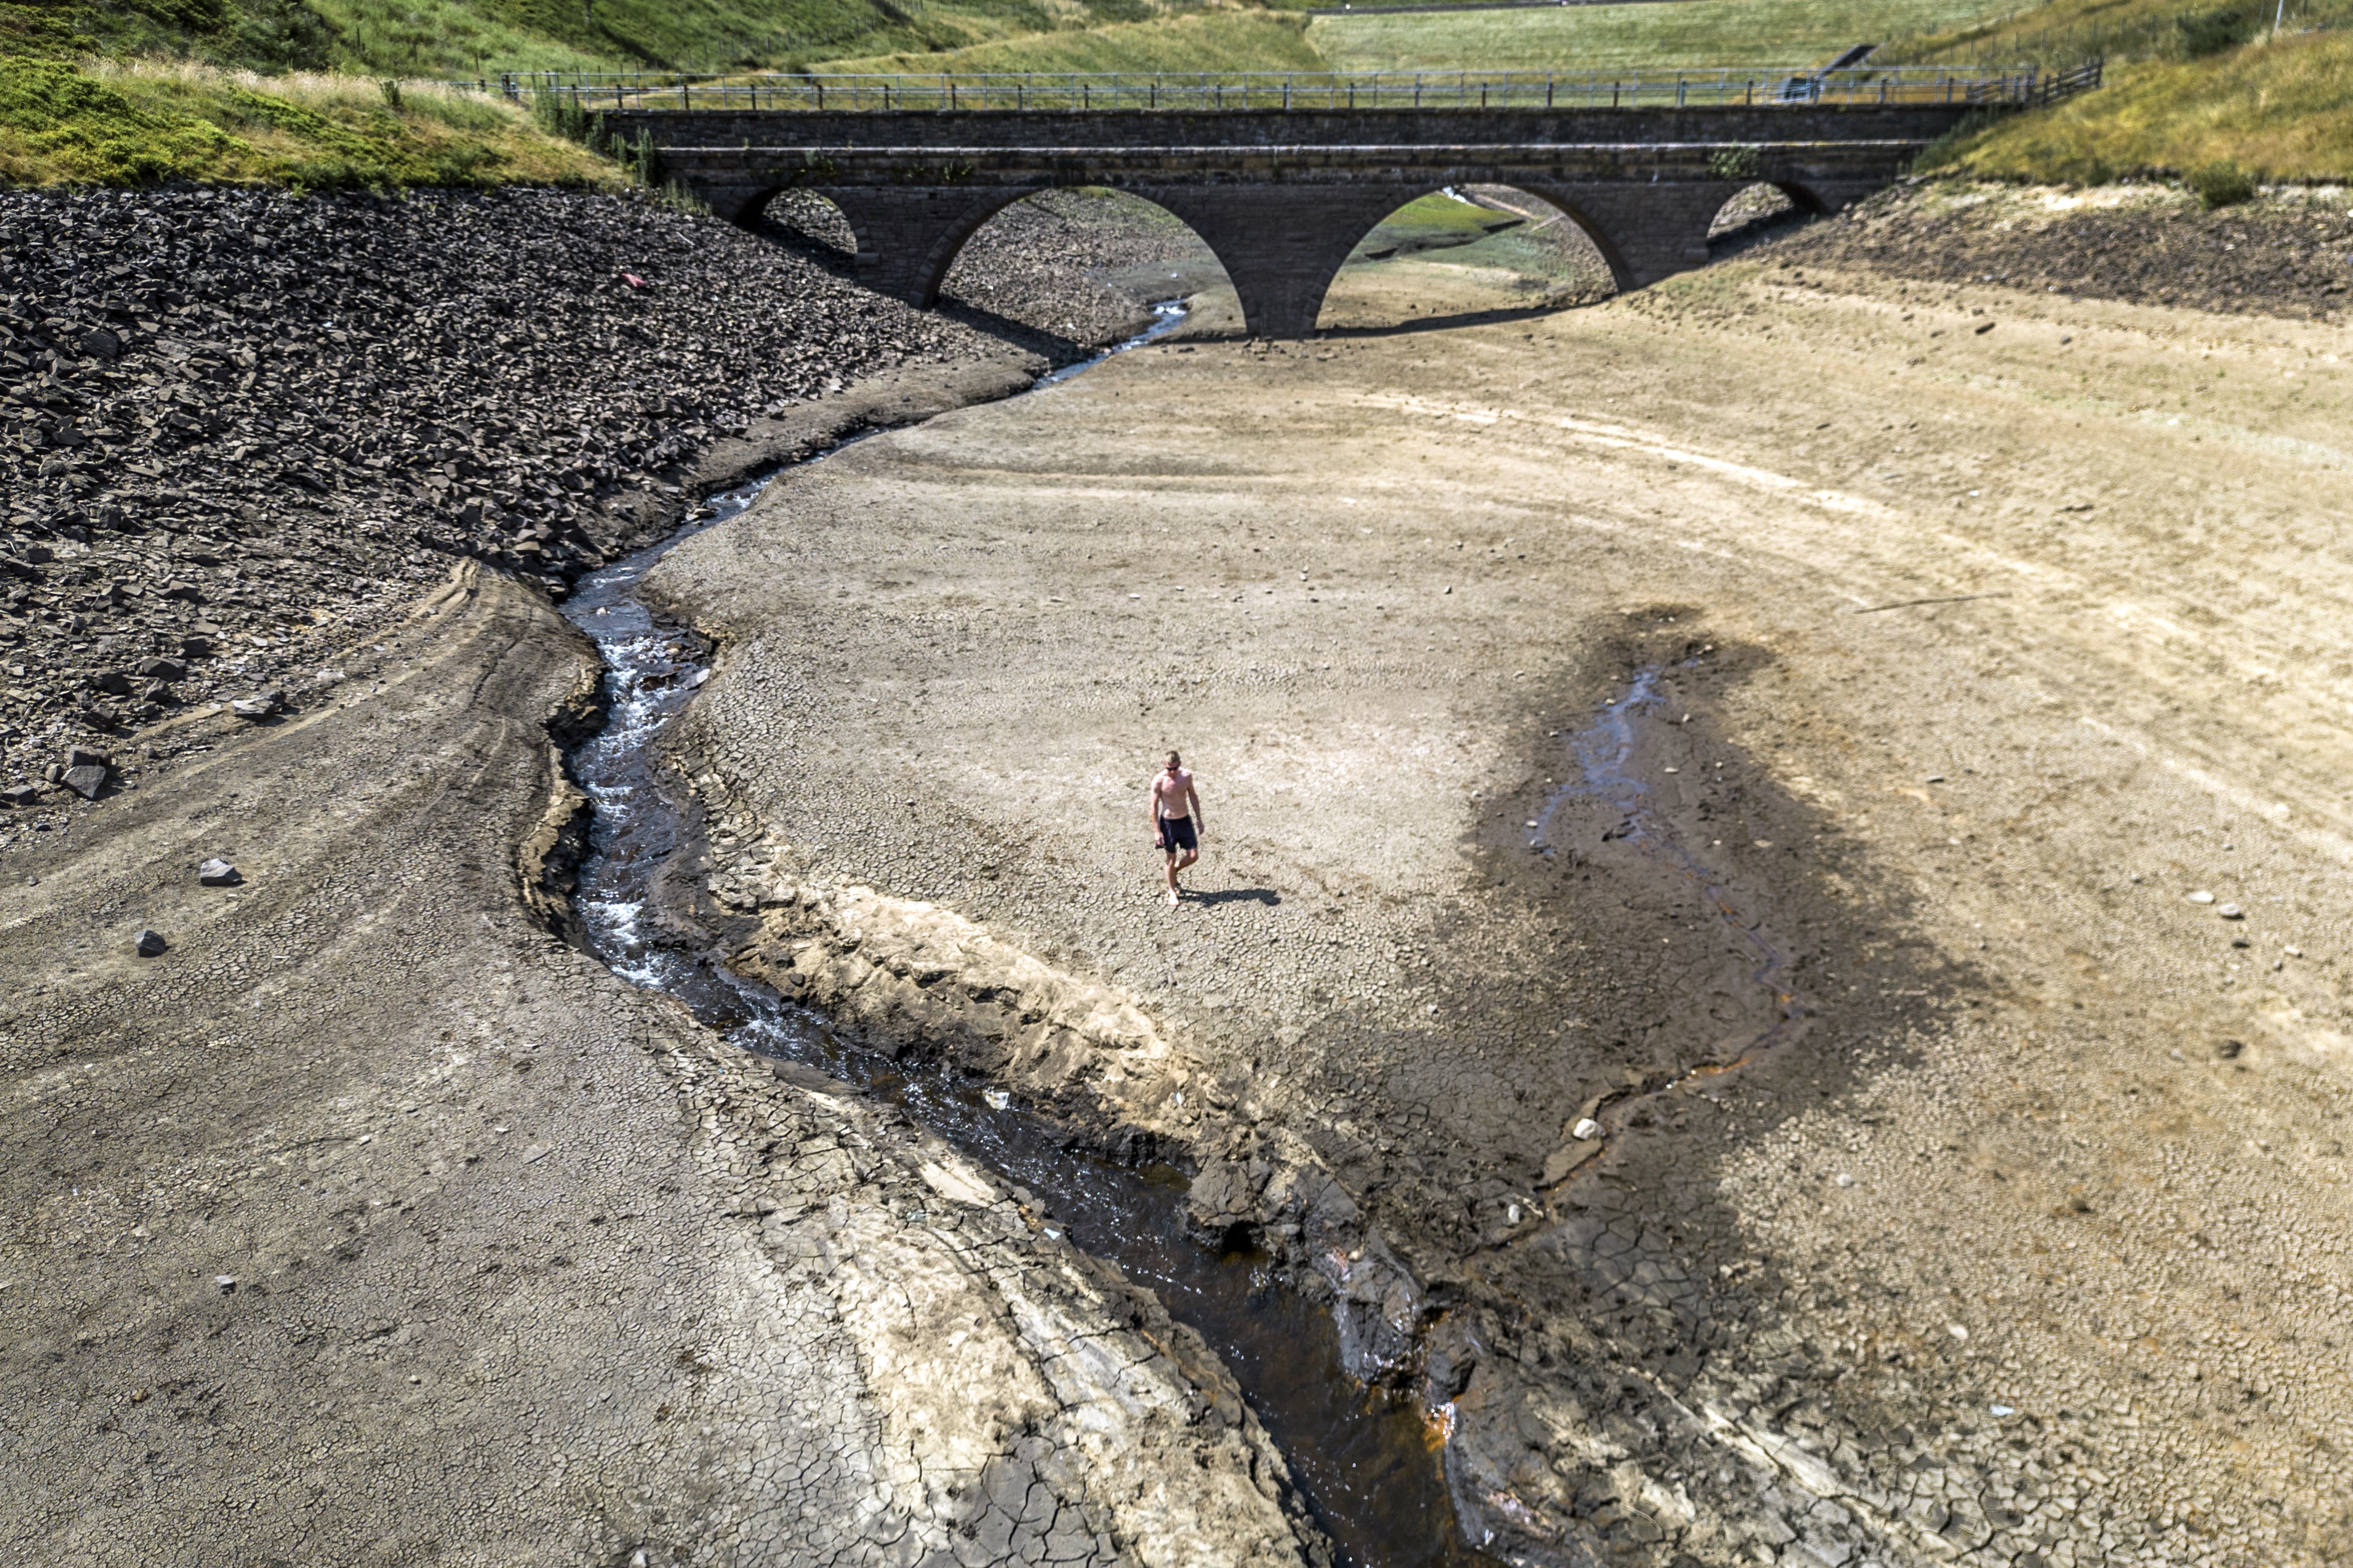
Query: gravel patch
point(2290, 255)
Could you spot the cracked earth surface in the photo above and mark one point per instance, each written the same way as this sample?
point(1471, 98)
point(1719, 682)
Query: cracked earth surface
point(372, 1223)
point(1979, 653)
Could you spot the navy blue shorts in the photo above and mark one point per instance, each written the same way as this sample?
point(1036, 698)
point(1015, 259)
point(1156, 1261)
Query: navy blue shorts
point(1176, 833)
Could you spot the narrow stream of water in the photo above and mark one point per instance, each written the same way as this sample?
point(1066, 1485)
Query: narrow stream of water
point(1363, 1458)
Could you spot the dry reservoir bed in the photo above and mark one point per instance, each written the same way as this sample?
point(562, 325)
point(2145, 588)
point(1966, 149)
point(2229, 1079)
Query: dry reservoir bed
point(1842, 682)
point(1985, 647)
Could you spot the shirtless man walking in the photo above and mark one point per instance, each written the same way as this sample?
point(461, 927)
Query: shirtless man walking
point(1177, 820)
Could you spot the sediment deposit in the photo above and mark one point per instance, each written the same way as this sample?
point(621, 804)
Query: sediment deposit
point(371, 1222)
point(1766, 948)
point(2011, 1233)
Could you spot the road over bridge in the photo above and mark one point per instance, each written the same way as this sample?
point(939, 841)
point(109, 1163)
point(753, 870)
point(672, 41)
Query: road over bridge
point(1282, 176)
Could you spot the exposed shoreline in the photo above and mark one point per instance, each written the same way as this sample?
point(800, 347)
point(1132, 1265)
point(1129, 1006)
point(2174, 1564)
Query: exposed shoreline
point(2018, 1248)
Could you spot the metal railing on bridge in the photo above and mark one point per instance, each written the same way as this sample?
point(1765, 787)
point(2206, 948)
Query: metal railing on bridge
point(2025, 86)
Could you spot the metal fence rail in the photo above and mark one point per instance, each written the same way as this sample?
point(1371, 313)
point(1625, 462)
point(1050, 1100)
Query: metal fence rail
point(1193, 92)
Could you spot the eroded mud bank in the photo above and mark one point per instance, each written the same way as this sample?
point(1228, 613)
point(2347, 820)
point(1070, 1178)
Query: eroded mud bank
point(370, 1219)
point(1483, 1311)
point(632, 874)
point(1451, 1300)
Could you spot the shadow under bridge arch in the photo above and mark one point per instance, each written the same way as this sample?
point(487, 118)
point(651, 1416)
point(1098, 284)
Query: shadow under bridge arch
point(1487, 252)
point(1279, 243)
point(914, 242)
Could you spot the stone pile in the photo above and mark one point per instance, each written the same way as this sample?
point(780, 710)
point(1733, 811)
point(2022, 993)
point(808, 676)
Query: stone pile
point(239, 428)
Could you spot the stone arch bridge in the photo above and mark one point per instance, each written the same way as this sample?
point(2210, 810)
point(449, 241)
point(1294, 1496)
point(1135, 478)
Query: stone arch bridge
point(1282, 191)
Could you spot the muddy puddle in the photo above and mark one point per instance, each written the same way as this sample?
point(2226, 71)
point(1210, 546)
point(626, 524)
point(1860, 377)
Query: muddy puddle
point(1604, 770)
point(1365, 1460)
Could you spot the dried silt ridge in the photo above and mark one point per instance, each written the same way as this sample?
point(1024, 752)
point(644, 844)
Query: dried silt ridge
point(393, 1225)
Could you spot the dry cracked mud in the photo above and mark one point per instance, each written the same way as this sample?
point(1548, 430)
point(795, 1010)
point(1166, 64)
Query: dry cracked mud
point(1769, 947)
point(2013, 1230)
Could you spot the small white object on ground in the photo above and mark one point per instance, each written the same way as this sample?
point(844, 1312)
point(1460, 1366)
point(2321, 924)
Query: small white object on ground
point(1587, 1130)
point(2202, 897)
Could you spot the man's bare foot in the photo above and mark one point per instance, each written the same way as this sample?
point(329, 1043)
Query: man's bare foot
point(1172, 898)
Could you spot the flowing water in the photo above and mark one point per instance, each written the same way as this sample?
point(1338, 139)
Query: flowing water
point(1363, 1458)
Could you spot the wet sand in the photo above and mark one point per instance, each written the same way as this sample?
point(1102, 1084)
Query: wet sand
point(2013, 1235)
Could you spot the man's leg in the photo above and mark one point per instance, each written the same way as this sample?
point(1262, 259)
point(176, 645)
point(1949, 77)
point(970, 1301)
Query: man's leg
point(1172, 874)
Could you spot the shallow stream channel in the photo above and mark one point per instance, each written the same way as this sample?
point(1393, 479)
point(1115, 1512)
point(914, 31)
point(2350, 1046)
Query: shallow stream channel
point(1363, 1458)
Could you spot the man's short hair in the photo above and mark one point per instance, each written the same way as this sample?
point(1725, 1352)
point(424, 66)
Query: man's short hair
point(1175, 761)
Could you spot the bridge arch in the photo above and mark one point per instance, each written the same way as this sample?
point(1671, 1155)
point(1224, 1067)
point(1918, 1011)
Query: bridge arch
point(1756, 212)
point(807, 221)
point(909, 238)
point(1576, 253)
point(998, 265)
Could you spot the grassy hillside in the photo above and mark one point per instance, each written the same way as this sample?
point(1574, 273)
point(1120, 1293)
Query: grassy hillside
point(2279, 111)
point(2063, 32)
point(463, 39)
point(1212, 41)
point(2191, 85)
point(2194, 82)
point(142, 124)
point(1603, 37)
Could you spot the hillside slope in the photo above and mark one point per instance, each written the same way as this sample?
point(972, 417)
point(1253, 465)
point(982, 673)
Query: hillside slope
point(96, 123)
point(466, 38)
point(1247, 41)
point(2187, 88)
point(2281, 111)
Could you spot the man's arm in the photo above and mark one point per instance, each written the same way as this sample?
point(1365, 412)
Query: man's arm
point(1192, 798)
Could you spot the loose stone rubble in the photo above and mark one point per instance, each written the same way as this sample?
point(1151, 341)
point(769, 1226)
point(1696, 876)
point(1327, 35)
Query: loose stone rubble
point(237, 427)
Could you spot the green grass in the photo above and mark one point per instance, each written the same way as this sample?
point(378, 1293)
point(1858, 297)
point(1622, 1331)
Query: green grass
point(1613, 37)
point(466, 39)
point(2065, 32)
point(142, 124)
point(2282, 112)
point(264, 34)
point(1212, 41)
point(1433, 222)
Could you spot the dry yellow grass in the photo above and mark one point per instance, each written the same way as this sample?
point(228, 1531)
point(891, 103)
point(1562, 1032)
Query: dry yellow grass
point(2282, 111)
point(126, 123)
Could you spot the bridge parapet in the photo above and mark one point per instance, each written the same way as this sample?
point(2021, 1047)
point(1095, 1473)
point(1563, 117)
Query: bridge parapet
point(1282, 196)
point(1223, 92)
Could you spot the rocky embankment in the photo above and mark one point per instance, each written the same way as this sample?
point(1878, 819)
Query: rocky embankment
point(239, 429)
point(2288, 254)
point(1970, 814)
